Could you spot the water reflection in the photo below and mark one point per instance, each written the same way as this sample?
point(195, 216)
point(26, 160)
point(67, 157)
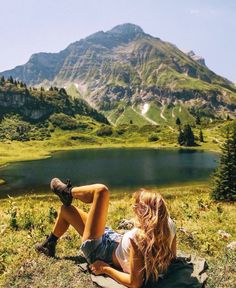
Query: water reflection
point(115, 167)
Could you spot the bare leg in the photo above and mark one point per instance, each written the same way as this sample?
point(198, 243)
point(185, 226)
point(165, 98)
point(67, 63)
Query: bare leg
point(89, 225)
point(70, 216)
point(98, 196)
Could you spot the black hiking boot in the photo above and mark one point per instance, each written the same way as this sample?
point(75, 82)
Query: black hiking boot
point(62, 190)
point(48, 248)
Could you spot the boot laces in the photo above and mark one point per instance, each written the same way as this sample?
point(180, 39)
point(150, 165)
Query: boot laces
point(68, 183)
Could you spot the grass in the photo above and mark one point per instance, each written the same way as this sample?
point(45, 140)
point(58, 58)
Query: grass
point(85, 136)
point(130, 114)
point(72, 91)
point(154, 113)
point(2, 182)
point(180, 111)
point(184, 115)
point(25, 220)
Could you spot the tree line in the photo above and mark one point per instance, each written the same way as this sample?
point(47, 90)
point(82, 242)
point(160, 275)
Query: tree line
point(186, 136)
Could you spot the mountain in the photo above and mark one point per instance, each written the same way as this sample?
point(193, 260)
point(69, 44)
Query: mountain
point(37, 105)
point(130, 75)
point(196, 58)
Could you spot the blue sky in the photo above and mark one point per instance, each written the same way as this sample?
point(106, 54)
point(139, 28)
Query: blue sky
point(206, 26)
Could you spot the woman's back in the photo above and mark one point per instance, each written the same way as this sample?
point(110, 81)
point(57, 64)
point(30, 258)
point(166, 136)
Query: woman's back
point(122, 251)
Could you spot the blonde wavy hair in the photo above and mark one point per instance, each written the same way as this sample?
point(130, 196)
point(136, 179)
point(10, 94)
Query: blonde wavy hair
point(154, 235)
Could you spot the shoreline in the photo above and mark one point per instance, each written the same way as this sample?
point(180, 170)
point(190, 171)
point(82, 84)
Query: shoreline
point(49, 153)
point(116, 192)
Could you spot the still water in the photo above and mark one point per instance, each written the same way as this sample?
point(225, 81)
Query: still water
point(117, 168)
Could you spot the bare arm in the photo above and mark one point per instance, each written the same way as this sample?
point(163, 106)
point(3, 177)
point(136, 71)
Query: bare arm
point(173, 246)
point(132, 280)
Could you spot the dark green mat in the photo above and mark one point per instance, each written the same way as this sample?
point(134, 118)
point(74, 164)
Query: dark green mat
point(185, 271)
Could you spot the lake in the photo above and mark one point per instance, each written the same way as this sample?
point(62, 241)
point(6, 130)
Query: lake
point(117, 168)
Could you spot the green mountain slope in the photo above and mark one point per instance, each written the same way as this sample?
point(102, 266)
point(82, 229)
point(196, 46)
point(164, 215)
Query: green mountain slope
point(36, 105)
point(30, 113)
point(126, 65)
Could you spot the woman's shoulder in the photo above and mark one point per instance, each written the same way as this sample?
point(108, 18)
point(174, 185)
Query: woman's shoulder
point(172, 226)
point(131, 234)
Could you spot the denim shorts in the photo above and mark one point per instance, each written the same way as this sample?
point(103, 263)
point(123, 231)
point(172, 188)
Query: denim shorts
point(101, 248)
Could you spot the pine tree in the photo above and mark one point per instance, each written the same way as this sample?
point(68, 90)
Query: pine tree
point(198, 120)
point(178, 122)
point(2, 80)
point(181, 137)
point(188, 136)
point(201, 139)
point(10, 79)
point(41, 96)
point(225, 175)
point(62, 91)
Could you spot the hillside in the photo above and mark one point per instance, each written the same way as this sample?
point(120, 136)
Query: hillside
point(127, 73)
point(29, 113)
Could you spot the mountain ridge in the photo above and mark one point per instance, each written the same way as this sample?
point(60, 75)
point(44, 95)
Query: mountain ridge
point(37, 105)
point(125, 66)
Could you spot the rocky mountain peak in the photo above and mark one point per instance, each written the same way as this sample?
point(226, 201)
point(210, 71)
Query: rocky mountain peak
point(196, 58)
point(126, 65)
point(126, 28)
point(123, 33)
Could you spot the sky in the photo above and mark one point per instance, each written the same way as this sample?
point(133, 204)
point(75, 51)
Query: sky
point(208, 27)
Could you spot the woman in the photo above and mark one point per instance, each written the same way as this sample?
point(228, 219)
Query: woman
point(131, 259)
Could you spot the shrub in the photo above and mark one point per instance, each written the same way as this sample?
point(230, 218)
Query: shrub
point(12, 212)
point(63, 121)
point(52, 215)
point(120, 131)
point(153, 138)
point(149, 129)
point(13, 127)
point(82, 139)
point(28, 221)
point(104, 131)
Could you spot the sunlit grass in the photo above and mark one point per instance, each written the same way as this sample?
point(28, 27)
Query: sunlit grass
point(25, 220)
point(132, 136)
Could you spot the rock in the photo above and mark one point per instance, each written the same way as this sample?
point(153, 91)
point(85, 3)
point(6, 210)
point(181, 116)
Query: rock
point(3, 229)
point(197, 58)
point(110, 68)
point(231, 246)
point(224, 235)
point(186, 232)
point(121, 231)
point(126, 224)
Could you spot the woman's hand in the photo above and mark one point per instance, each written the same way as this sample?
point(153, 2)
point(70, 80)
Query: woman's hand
point(97, 267)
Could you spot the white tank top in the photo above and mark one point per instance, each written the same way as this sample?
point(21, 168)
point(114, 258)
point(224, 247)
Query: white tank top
point(123, 249)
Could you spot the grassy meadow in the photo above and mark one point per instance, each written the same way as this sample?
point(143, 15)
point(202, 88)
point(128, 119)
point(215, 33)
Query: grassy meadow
point(123, 135)
point(25, 220)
